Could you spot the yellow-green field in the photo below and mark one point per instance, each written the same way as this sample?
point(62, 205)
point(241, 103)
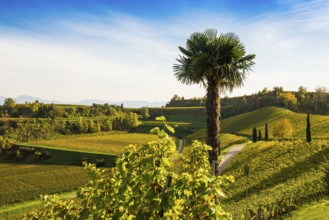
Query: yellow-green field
point(111, 142)
point(21, 182)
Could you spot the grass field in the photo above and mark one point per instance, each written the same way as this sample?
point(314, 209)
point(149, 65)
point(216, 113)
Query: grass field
point(281, 175)
point(194, 115)
point(22, 182)
point(244, 123)
point(111, 142)
point(314, 211)
point(225, 138)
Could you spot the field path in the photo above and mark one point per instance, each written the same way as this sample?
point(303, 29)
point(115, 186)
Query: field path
point(228, 157)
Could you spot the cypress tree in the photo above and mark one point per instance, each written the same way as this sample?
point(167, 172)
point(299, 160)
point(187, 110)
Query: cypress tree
point(259, 135)
point(266, 132)
point(254, 135)
point(308, 129)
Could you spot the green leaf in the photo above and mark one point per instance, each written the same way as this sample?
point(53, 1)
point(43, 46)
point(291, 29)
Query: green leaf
point(160, 118)
point(171, 129)
point(155, 130)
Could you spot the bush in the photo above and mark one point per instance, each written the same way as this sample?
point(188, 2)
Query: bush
point(142, 186)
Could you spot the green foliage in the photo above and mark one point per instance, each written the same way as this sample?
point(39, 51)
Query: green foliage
point(266, 132)
point(26, 129)
point(145, 113)
point(141, 186)
point(282, 128)
point(185, 120)
point(308, 129)
point(300, 101)
point(259, 138)
point(41, 110)
point(282, 176)
point(254, 134)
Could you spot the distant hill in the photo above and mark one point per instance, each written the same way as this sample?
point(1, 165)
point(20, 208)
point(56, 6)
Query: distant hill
point(126, 103)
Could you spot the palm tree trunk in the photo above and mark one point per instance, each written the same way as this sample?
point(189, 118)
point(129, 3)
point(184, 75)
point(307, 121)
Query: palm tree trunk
point(213, 121)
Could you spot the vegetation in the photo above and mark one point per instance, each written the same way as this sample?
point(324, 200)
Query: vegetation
point(25, 129)
point(314, 211)
point(302, 101)
point(308, 129)
point(109, 142)
point(186, 120)
point(243, 124)
point(218, 63)
point(254, 134)
point(266, 132)
point(282, 176)
point(226, 140)
point(282, 128)
point(22, 182)
point(17, 211)
point(141, 186)
point(10, 109)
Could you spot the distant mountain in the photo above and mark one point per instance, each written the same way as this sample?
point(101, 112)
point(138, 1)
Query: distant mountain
point(2, 100)
point(126, 103)
point(138, 104)
point(129, 104)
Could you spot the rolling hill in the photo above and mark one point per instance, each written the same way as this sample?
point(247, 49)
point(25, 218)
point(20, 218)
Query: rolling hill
point(244, 123)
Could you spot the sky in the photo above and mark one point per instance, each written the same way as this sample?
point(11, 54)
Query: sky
point(70, 50)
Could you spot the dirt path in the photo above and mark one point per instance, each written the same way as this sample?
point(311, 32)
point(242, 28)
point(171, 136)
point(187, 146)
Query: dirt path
point(229, 155)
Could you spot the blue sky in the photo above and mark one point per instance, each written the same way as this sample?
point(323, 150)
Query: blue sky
point(116, 50)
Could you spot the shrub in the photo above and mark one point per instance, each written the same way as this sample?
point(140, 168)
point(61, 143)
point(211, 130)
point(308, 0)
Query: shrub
point(142, 186)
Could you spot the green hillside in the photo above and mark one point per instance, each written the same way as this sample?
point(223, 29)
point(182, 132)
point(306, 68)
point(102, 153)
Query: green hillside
point(282, 176)
point(243, 124)
point(185, 120)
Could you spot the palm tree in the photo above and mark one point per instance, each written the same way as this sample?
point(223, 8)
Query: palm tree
point(219, 64)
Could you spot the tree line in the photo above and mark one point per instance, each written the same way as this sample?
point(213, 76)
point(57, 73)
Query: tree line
point(303, 101)
point(11, 109)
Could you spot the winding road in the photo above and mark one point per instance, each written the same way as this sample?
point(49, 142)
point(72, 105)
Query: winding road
point(228, 156)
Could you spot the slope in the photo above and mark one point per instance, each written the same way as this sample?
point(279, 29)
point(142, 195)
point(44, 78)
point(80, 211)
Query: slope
point(244, 123)
point(277, 177)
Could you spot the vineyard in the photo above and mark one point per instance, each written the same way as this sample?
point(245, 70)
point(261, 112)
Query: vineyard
point(244, 123)
point(21, 182)
point(277, 177)
point(110, 143)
